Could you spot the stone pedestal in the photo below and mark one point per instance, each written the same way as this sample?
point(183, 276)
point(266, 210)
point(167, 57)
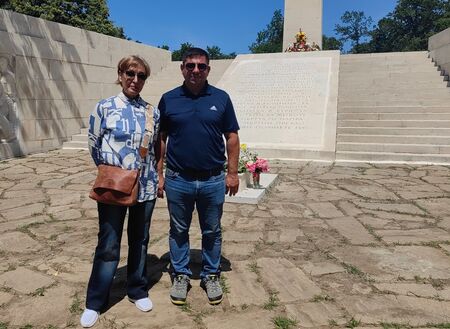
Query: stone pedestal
point(304, 14)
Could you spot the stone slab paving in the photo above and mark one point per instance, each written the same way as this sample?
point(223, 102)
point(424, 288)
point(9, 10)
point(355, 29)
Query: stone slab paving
point(327, 244)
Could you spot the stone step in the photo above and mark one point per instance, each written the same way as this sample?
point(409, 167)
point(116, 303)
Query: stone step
point(386, 85)
point(394, 131)
point(72, 145)
point(80, 138)
point(378, 102)
point(394, 148)
point(84, 131)
point(393, 116)
point(389, 157)
point(396, 139)
point(362, 95)
point(395, 123)
point(407, 55)
point(394, 109)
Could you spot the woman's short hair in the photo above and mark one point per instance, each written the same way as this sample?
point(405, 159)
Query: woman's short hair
point(130, 61)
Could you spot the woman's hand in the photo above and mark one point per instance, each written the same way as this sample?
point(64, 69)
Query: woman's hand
point(160, 192)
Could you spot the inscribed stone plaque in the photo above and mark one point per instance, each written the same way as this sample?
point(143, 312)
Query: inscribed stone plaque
point(286, 103)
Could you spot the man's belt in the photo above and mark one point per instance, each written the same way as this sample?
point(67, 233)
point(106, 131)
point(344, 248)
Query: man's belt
point(201, 174)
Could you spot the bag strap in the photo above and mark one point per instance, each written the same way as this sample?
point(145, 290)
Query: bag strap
point(149, 131)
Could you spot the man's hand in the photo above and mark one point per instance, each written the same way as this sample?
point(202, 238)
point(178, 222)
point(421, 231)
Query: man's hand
point(160, 192)
point(232, 184)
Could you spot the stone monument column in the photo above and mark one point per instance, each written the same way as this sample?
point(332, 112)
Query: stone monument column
point(304, 14)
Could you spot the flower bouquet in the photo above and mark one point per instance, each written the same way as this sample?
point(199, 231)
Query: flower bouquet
point(256, 168)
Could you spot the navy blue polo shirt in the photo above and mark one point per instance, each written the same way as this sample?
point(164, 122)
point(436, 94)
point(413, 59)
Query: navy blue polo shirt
point(195, 125)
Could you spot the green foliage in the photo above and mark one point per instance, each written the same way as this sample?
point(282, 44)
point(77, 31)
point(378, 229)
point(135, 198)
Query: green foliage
point(356, 26)
point(270, 40)
point(166, 47)
point(272, 302)
point(214, 52)
point(92, 15)
point(353, 323)
point(282, 322)
point(331, 43)
point(178, 54)
point(3, 325)
point(410, 25)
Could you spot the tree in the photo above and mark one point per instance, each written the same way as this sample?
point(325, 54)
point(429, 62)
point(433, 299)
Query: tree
point(92, 15)
point(214, 52)
point(356, 26)
point(270, 40)
point(331, 43)
point(177, 55)
point(410, 25)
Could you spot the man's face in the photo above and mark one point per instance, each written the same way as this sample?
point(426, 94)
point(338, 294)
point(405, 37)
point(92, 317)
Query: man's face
point(195, 71)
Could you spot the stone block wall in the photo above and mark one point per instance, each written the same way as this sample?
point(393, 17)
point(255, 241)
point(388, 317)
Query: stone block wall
point(439, 47)
point(52, 75)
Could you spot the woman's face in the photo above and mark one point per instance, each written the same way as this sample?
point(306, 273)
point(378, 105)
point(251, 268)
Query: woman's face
point(132, 80)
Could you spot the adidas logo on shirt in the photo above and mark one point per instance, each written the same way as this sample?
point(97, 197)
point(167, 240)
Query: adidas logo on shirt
point(213, 108)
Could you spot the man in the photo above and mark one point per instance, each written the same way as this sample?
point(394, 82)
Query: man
point(194, 119)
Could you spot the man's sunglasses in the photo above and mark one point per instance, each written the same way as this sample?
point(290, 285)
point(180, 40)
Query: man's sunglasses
point(132, 74)
point(191, 66)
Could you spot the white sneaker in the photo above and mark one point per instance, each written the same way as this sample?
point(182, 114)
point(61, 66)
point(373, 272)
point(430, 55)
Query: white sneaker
point(88, 318)
point(143, 304)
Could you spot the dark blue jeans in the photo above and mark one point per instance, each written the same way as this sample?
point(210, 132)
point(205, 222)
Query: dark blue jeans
point(107, 253)
point(208, 196)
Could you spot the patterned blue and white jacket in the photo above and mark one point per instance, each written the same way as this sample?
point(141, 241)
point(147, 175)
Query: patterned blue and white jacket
point(116, 128)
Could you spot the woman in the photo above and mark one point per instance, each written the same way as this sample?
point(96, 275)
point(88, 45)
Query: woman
point(116, 130)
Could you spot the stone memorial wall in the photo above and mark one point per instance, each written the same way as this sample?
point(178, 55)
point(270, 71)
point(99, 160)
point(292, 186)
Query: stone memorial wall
point(286, 103)
point(51, 76)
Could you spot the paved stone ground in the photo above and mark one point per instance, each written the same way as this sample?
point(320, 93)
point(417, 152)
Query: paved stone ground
point(344, 245)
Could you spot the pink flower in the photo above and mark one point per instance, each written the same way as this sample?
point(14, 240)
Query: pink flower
point(260, 165)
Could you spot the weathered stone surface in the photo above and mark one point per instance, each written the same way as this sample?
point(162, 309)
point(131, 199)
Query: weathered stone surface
point(242, 236)
point(408, 289)
point(349, 208)
point(419, 192)
point(351, 229)
point(244, 285)
point(396, 309)
point(24, 280)
point(414, 236)
point(370, 191)
point(259, 319)
point(318, 269)
point(290, 282)
point(436, 207)
point(302, 255)
point(50, 309)
point(5, 297)
point(237, 249)
point(404, 261)
point(325, 209)
point(312, 315)
point(392, 207)
point(24, 211)
point(18, 242)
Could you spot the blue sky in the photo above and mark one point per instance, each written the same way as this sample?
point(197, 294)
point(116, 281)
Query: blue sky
point(231, 25)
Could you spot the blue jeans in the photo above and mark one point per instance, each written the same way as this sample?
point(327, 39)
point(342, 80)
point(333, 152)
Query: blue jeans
point(107, 253)
point(208, 196)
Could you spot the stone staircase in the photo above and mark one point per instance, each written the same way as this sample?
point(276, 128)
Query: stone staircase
point(157, 84)
point(392, 107)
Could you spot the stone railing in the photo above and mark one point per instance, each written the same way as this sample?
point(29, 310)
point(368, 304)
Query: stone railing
point(439, 47)
point(51, 76)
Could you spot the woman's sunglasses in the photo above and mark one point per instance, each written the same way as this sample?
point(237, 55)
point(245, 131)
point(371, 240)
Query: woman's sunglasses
point(191, 66)
point(132, 74)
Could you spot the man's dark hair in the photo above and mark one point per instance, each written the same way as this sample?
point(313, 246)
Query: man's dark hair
point(192, 52)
